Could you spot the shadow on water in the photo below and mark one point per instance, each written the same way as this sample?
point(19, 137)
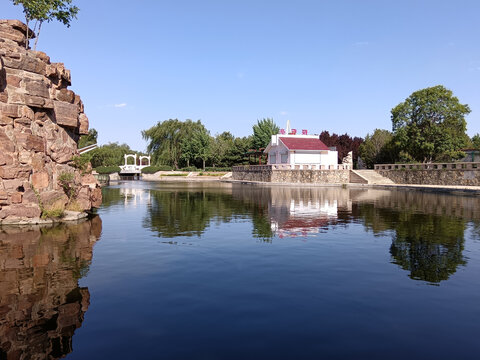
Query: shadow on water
point(427, 230)
point(41, 304)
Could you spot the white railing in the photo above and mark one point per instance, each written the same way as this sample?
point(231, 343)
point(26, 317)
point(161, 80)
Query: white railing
point(291, 167)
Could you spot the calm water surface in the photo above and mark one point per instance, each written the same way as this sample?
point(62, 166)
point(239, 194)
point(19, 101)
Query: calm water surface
point(222, 271)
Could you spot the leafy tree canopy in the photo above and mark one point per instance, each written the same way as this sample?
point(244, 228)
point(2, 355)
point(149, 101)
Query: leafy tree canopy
point(263, 131)
point(430, 125)
point(89, 139)
point(344, 144)
point(476, 141)
point(377, 148)
point(47, 10)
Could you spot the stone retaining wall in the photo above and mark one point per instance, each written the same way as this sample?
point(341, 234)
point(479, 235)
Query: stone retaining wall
point(470, 177)
point(267, 174)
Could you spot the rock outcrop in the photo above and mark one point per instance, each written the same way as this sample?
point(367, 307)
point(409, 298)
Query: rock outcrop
point(41, 121)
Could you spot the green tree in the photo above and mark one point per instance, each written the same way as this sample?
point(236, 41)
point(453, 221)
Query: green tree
point(263, 131)
point(165, 142)
point(108, 155)
point(201, 142)
point(89, 139)
point(46, 10)
point(377, 148)
point(430, 125)
point(476, 141)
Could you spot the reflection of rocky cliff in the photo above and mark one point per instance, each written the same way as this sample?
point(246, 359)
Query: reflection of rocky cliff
point(41, 303)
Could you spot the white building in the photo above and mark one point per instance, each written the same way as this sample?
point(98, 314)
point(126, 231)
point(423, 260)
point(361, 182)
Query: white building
point(300, 152)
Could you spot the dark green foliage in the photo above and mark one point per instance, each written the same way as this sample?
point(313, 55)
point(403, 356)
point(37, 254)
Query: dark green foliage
point(107, 169)
point(109, 155)
point(81, 163)
point(430, 126)
point(154, 169)
point(378, 148)
point(218, 169)
point(189, 168)
point(263, 131)
point(66, 181)
point(476, 141)
point(89, 139)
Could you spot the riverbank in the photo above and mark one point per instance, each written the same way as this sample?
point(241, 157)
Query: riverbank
point(431, 188)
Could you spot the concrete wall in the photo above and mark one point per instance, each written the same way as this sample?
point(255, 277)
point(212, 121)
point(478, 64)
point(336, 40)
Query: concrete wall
point(266, 174)
point(467, 177)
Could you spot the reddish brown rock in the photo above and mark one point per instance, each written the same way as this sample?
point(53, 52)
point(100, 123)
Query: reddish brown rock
point(16, 198)
point(40, 123)
point(37, 88)
point(83, 128)
point(53, 200)
point(65, 95)
point(66, 114)
point(40, 180)
point(20, 211)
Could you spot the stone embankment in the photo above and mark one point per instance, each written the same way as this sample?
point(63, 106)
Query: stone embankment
point(440, 174)
point(41, 121)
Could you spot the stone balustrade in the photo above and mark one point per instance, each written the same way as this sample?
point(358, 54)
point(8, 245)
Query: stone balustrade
point(291, 167)
point(429, 166)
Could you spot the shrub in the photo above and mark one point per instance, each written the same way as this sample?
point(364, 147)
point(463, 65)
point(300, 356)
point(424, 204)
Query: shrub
point(66, 181)
point(81, 163)
point(52, 214)
point(154, 169)
point(218, 169)
point(189, 168)
point(107, 169)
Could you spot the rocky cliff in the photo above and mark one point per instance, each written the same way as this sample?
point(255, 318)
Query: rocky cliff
point(41, 121)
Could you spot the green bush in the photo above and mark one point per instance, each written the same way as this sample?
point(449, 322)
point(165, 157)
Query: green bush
point(218, 169)
point(189, 168)
point(154, 169)
point(107, 169)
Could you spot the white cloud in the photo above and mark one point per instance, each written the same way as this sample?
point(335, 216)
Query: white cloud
point(362, 43)
point(120, 105)
point(283, 113)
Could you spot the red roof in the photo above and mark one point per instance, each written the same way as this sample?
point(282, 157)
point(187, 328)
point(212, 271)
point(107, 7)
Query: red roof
point(303, 143)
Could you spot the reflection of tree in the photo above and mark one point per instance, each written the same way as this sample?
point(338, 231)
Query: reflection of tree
point(428, 245)
point(41, 304)
point(190, 212)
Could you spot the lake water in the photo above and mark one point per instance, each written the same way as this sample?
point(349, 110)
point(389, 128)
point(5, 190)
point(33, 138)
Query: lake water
point(227, 271)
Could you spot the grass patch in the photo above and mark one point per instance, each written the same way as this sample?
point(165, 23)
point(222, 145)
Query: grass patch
point(174, 175)
point(52, 213)
point(211, 174)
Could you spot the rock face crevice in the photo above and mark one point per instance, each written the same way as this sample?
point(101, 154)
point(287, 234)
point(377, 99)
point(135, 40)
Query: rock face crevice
point(41, 121)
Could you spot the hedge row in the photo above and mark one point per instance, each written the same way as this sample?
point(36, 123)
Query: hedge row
point(154, 169)
point(107, 169)
point(218, 169)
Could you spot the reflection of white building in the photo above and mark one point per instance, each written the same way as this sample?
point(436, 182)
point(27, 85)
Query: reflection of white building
point(134, 197)
point(301, 218)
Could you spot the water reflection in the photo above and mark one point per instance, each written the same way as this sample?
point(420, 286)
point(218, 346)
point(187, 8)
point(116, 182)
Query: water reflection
point(41, 304)
point(426, 230)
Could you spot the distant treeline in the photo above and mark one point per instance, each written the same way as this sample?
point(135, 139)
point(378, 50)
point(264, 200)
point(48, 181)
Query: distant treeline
point(429, 126)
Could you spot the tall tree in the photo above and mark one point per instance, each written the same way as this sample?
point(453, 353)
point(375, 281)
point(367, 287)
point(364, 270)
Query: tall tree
point(377, 148)
point(202, 141)
point(430, 125)
point(46, 10)
point(476, 141)
point(89, 139)
point(263, 131)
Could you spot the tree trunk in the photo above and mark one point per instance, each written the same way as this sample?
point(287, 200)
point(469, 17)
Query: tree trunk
point(203, 160)
point(188, 162)
point(27, 40)
point(38, 35)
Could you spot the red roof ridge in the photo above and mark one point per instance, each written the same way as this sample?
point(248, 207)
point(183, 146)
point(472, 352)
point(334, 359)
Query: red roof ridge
point(301, 143)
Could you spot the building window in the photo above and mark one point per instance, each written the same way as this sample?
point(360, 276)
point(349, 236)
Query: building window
point(284, 158)
point(273, 158)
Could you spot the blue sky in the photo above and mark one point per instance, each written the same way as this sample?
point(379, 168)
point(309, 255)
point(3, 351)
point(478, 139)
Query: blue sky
point(325, 65)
